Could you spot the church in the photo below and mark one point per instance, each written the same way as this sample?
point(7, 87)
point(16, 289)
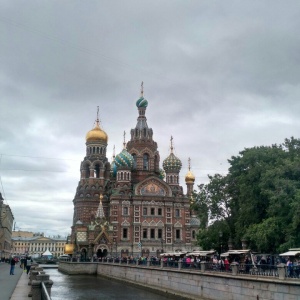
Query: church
point(130, 206)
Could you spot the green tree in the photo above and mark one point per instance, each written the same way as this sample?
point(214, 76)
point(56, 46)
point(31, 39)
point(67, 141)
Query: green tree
point(258, 200)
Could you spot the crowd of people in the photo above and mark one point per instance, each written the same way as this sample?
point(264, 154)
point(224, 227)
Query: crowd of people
point(25, 264)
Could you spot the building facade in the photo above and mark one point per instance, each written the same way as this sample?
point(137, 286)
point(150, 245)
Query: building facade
point(6, 225)
point(130, 206)
point(35, 244)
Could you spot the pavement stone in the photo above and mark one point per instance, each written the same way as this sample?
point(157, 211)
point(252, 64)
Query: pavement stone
point(9, 283)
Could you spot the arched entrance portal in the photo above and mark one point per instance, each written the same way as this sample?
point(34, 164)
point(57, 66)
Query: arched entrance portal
point(101, 253)
point(83, 255)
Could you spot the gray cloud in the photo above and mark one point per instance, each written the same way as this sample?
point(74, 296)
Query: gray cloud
point(219, 76)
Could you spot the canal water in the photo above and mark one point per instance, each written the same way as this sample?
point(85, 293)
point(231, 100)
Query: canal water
point(92, 287)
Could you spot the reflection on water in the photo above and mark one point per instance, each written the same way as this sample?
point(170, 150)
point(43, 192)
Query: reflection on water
point(91, 287)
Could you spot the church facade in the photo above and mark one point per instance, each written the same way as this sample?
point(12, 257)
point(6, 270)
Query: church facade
point(130, 206)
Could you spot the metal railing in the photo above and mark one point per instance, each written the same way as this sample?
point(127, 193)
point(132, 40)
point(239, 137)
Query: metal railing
point(234, 269)
point(45, 295)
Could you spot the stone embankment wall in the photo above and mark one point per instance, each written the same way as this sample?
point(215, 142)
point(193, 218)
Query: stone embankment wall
point(77, 268)
point(192, 284)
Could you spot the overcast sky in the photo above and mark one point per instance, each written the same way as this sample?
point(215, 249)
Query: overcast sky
point(219, 76)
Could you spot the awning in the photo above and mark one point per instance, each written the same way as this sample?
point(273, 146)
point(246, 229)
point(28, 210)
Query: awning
point(235, 252)
point(201, 253)
point(291, 253)
point(172, 253)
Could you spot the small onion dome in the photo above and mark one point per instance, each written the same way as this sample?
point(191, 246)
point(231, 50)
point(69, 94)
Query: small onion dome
point(113, 169)
point(189, 177)
point(172, 163)
point(96, 134)
point(69, 248)
point(142, 102)
point(124, 159)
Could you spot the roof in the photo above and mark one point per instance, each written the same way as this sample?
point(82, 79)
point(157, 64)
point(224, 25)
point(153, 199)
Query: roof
point(195, 221)
point(47, 253)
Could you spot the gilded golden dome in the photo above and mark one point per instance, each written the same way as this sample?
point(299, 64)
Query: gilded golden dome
point(96, 134)
point(189, 177)
point(69, 248)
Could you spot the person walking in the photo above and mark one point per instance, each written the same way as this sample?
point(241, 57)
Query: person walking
point(28, 264)
point(25, 263)
point(12, 266)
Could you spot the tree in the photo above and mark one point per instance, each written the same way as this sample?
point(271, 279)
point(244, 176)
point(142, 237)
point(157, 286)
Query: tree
point(258, 200)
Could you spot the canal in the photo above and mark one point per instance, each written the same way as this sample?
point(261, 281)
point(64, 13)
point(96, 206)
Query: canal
point(92, 287)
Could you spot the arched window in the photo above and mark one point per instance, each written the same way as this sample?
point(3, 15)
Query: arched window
point(156, 163)
point(134, 161)
point(87, 171)
point(145, 161)
point(193, 234)
point(97, 171)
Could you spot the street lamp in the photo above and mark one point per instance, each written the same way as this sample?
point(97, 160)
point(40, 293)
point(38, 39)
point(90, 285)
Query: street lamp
point(220, 241)
point(162, 245)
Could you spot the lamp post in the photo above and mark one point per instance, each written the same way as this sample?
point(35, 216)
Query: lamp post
point(220, 241)
point(162, 245)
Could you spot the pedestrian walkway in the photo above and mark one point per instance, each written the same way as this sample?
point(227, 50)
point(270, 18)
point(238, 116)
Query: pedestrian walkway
point(8, 283)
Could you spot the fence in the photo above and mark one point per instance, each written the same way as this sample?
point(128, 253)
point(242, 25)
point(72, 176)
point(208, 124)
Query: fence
point(280, 271)
point(40, 284)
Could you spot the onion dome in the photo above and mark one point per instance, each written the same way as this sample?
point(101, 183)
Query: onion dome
point(96, 134)
point(189, 177)
point(113, 169)
point(142, 102)
point(113, 166)
point(124, 159)
point(172, 163)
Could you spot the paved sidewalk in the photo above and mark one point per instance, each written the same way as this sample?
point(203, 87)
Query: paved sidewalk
point(8, 283)
point(22, 289)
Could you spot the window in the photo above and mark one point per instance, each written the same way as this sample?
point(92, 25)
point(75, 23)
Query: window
point(178, 234)
point(193, 234)
point(152, 233)
point(125, 211)
point(145, 162)
point(145, 211)
point(144, 233)
point(152, 211)
point(177, 213)
point(159, 233)
point(125, 233)
point(134, 161)
point(159, 211)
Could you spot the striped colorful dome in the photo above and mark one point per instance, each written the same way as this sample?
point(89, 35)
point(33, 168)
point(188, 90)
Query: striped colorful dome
point(142, 102)
point(124, 159)
point(172, 163)
point(113, 169)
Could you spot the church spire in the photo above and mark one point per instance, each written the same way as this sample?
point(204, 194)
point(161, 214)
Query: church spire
point(171, 147)
point(142, 89)
point(100, 211)
point(124, 142)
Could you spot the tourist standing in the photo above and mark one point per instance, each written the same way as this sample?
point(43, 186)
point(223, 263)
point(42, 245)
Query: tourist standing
point(12, 266)
point(28, 264)
point(226, 263)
